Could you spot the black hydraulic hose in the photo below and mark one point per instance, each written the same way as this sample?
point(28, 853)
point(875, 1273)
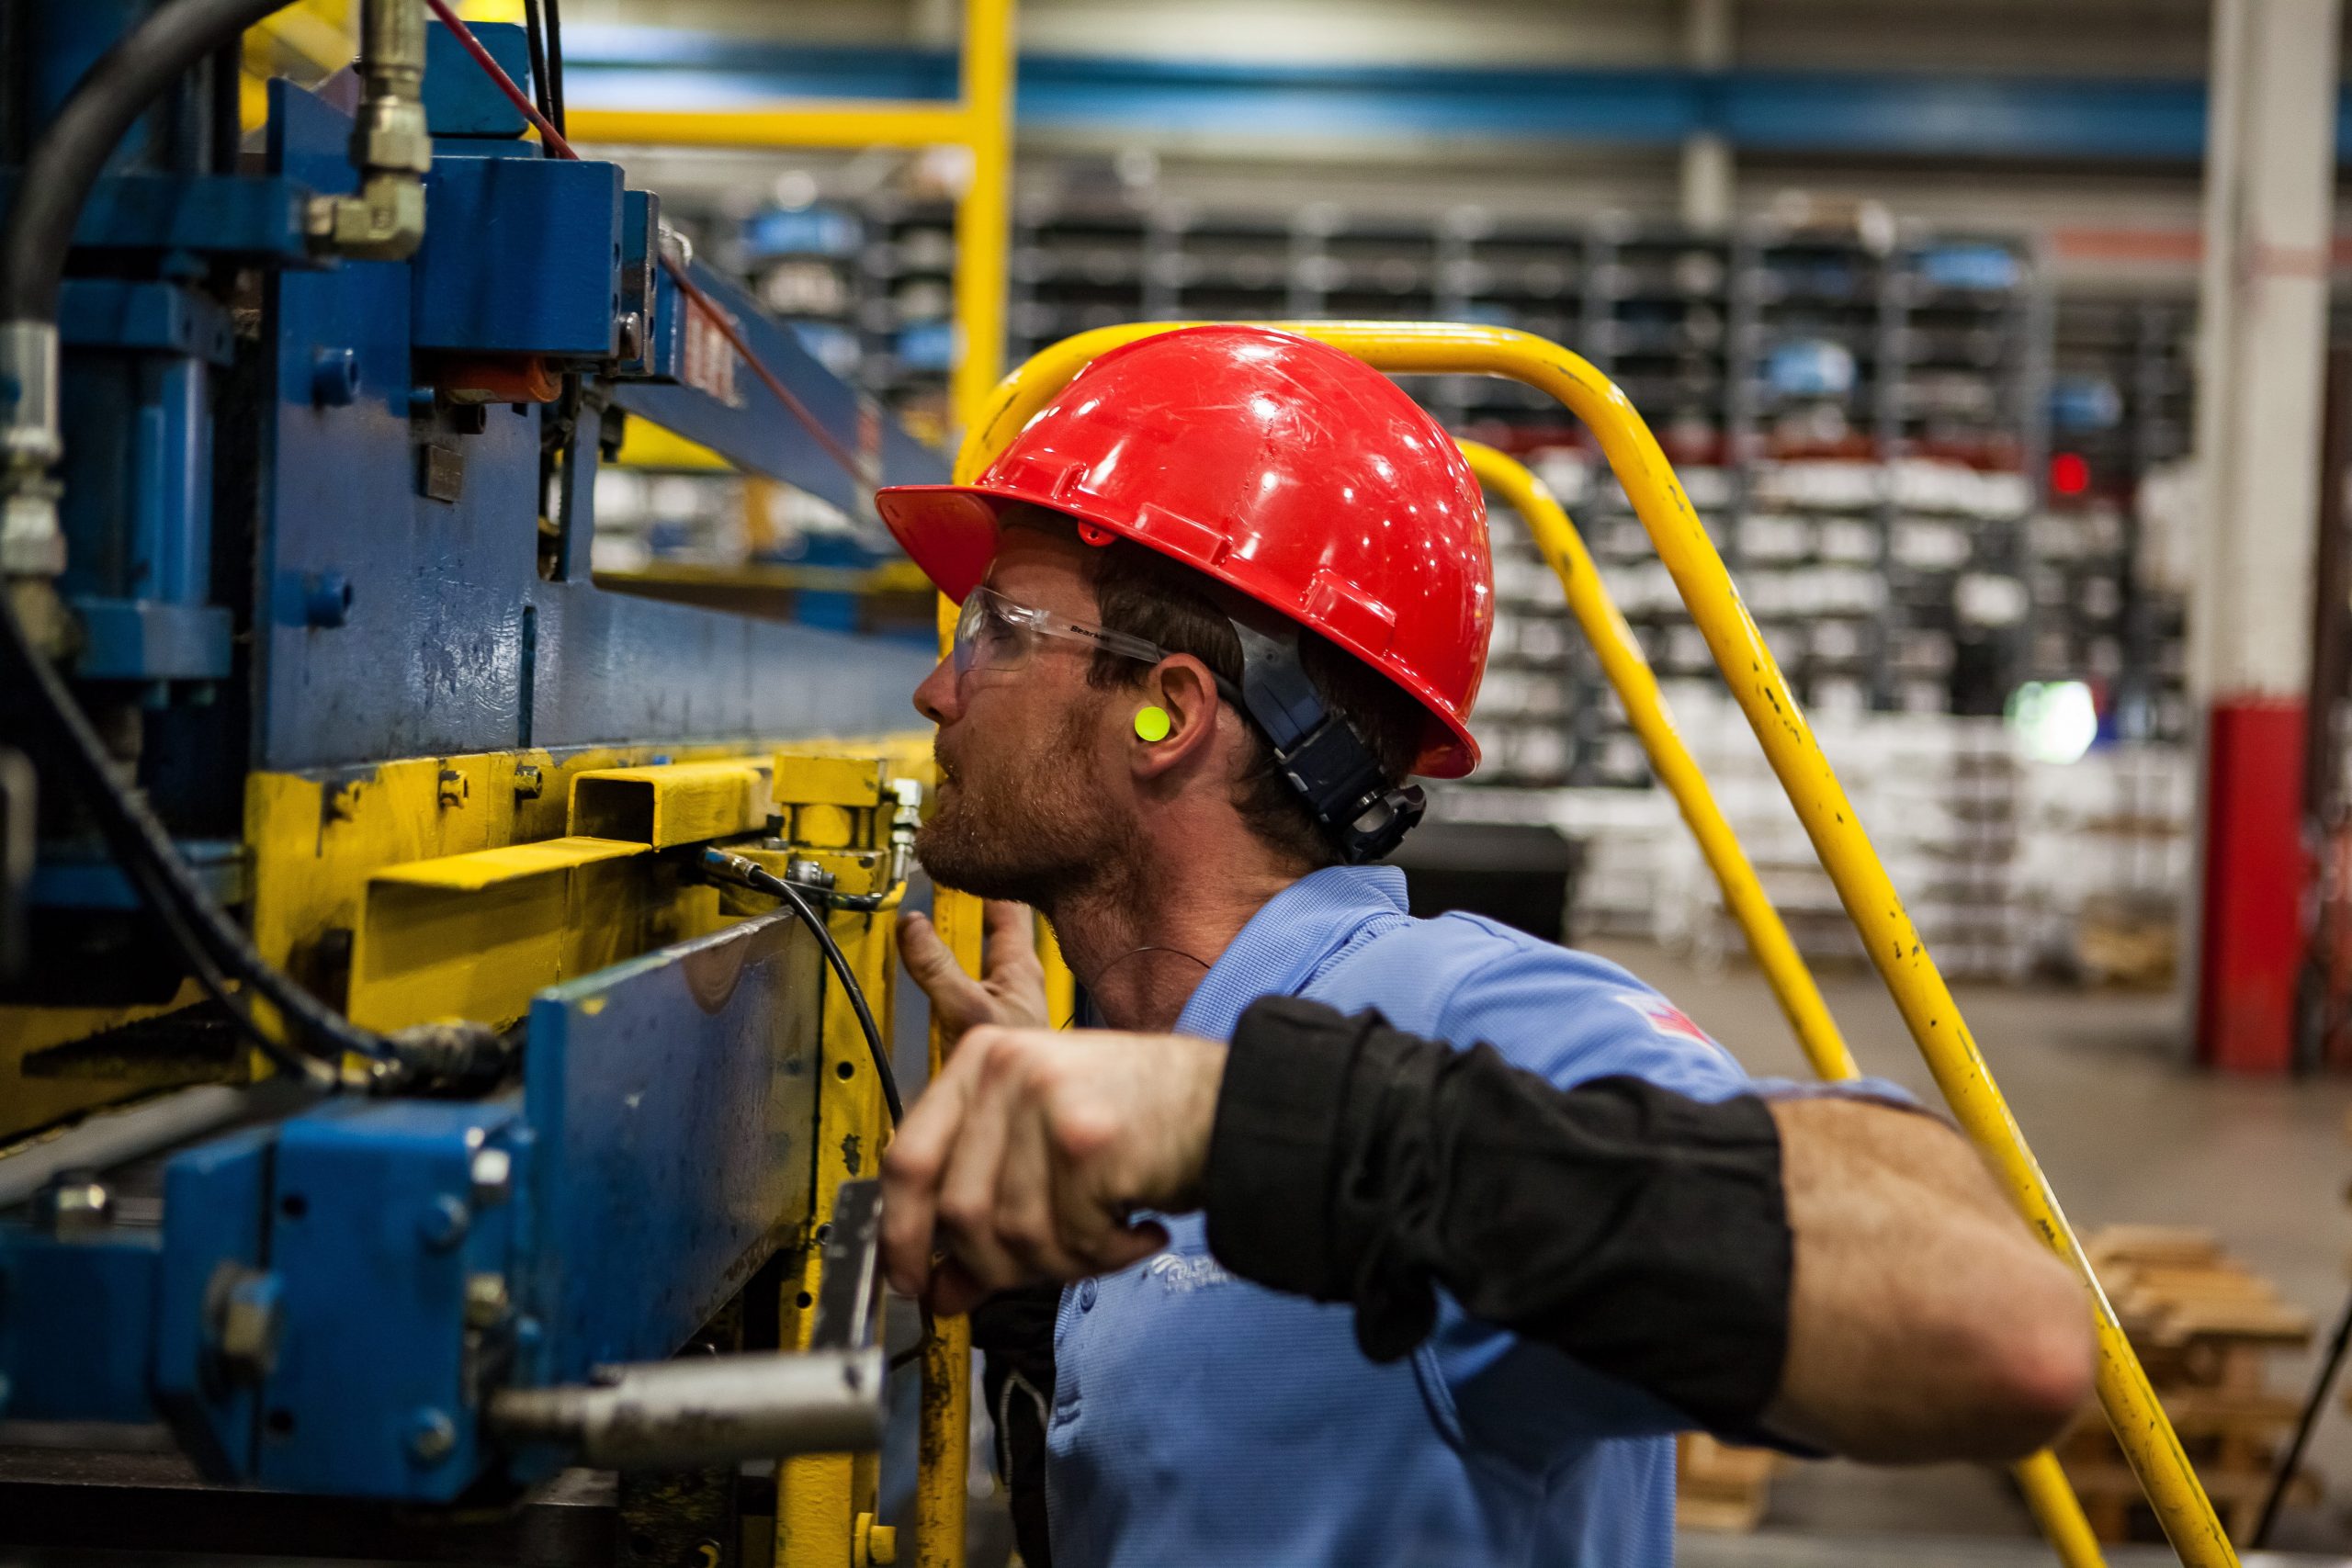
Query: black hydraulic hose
point(736, 868)
point(64, 164)
point(143, 845)
point(555, 62)
point(535, 34)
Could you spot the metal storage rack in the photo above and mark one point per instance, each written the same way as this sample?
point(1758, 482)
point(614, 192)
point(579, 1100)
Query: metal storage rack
point(2122, 381)
point(1760, 357)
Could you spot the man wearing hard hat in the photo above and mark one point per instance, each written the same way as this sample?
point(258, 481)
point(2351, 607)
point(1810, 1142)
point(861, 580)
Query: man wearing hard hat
point(1445, 1306)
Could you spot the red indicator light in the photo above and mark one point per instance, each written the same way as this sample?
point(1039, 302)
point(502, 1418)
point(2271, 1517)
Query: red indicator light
point(2070, 474)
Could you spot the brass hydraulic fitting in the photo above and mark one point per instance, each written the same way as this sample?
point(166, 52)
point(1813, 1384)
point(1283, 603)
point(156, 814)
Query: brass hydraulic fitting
point(391, 145)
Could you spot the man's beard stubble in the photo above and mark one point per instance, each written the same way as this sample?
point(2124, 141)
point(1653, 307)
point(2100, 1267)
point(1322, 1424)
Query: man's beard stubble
point(1037, 832)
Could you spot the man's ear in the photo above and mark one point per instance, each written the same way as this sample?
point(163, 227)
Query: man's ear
point(1177, 703)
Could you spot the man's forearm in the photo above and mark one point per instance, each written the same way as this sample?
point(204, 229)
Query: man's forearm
point(1637, 1230)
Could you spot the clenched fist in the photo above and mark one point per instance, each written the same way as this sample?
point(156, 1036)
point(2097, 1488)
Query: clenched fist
point(1022, 1161)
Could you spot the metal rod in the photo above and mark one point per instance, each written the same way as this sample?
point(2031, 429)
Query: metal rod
point(706, 1411)
point(118, 1137)
point(2289, 1461)
point(2141, 1428)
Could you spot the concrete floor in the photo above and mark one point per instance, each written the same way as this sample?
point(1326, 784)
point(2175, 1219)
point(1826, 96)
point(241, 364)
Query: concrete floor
point(2127, 1130)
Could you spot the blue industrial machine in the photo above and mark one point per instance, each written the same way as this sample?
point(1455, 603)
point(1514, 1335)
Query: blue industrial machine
point(387, 1090)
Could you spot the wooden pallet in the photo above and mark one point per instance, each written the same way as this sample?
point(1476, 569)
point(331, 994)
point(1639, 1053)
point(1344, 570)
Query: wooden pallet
point(1719, 1487)
point(2205, 1326)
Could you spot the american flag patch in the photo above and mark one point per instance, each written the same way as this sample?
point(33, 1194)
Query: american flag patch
point(1665, 1019)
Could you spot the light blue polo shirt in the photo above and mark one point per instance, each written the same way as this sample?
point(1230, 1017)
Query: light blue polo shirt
point(1200, 1418)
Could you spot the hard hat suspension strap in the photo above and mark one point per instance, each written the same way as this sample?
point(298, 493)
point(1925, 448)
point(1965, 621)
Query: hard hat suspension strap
point(1318, 751)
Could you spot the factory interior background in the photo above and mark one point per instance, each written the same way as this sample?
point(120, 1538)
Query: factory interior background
point(2004, 348)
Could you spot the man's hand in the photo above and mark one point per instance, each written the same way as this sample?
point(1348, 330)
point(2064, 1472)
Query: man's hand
point(1026, 1154)
point(1010, 990)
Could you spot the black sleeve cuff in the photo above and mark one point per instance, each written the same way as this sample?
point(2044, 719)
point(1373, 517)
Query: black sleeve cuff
point(1271, 1148)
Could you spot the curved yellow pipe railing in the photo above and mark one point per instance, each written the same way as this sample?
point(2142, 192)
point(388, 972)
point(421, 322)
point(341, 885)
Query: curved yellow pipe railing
point(1920, 994)
point(2047, 1493)
point(1636, 686)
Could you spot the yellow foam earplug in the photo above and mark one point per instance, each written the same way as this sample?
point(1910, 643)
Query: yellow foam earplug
point(1151, 723)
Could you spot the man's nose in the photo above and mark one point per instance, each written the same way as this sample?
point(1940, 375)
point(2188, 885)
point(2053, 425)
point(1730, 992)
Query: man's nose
point(936, 698)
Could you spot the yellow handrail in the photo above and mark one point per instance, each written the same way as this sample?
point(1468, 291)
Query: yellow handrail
point(1636, 687)
point(1920, 994)
point(2046, 1489)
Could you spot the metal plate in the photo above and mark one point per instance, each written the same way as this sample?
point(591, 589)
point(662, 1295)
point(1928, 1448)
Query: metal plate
point(451, 642)
point(672, 1099)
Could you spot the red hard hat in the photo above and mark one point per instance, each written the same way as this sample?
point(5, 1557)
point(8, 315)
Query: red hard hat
point(1279, 465)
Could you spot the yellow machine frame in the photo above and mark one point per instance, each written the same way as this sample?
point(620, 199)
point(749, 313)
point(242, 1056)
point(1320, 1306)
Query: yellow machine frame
point(1903, 961)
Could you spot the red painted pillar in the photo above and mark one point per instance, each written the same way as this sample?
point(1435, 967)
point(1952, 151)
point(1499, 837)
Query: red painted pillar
point(2251, 935)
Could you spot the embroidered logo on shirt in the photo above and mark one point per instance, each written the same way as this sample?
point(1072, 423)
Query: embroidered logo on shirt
point(1664, 1017)
point(1180, 1276)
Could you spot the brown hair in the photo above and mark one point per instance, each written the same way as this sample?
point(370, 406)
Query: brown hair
point(1143, 593)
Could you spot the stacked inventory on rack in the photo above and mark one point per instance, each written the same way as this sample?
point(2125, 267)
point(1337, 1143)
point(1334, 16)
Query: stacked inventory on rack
point(2107, 610)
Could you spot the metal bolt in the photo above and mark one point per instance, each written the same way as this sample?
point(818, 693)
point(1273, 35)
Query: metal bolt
point(454, 787)
point(873, 1543)
point(76, 1202)
point(629, 334)
point(431, 1436)
point(326, 599)
point(444, 1222)
point(486, 1301)
point(529, 781)
point(335, 376)
point(493, 1173)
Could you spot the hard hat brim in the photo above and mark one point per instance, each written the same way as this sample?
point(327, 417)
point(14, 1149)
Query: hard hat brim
point(950, 531)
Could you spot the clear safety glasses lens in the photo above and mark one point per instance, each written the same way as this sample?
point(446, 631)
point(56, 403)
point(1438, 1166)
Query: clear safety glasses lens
point(987, 636)
point(994, 633)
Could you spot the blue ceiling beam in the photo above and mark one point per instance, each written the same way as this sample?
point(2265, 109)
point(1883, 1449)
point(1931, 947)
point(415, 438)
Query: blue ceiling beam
point(1780, 111)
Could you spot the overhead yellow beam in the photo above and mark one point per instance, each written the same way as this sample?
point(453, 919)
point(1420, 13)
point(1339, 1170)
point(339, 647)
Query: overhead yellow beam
point(846, 124)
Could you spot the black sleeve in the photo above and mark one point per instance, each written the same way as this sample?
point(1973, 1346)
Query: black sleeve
point(1642, 1231)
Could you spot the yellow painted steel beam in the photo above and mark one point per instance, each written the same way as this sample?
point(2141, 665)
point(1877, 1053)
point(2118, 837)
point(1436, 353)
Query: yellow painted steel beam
point(944, 1432)
point(645, 445)
point(836, 123)
point(826, 1504)
point(477, 935)
point(984, 214)
point(1920, 994)
point(665, 804)
point(2044, 1484)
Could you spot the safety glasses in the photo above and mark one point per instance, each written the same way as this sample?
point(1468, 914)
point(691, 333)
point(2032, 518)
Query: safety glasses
point(995, 633)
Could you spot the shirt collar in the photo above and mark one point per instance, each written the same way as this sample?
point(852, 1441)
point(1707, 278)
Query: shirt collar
point(1288, 940)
